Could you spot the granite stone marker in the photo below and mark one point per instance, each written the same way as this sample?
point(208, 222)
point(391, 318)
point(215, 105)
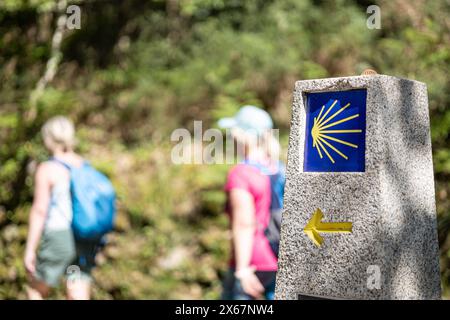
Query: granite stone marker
point(359, 220)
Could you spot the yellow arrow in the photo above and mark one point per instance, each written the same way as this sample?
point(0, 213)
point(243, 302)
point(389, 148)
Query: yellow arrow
point(315, 225)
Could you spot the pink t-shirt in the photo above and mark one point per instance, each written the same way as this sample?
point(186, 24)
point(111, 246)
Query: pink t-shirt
point(249, 178)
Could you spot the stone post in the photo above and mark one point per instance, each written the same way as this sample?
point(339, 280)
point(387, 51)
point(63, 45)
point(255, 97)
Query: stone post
point(359, 220)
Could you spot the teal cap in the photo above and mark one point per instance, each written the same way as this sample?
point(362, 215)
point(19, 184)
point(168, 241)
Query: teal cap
point(248, 118)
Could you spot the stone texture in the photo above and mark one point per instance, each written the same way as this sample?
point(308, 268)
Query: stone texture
point(391, 204)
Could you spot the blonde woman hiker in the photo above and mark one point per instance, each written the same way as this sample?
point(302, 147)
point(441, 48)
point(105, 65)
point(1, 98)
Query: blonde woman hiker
point(53, 249)
point(254, 191)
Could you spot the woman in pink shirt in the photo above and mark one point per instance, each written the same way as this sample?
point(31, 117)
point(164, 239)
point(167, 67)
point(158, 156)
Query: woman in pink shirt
point(253, 263)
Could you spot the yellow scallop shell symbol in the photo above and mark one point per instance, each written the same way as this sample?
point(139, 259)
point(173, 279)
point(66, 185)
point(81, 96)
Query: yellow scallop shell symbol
point(321, 130)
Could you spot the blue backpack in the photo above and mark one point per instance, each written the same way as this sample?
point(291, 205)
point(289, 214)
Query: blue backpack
point(277, 182)
point(93, 202)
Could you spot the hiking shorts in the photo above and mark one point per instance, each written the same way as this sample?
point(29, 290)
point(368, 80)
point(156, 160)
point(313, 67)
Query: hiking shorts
point(85, 259)
point(56, 253)
point(60, 255)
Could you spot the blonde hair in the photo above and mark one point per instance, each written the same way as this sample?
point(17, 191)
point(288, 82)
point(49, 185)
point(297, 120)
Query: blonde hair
point(272, 145)
point(59, 133)
point(266, 141)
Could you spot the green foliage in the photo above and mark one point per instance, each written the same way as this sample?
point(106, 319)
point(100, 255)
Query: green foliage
point(138, 70)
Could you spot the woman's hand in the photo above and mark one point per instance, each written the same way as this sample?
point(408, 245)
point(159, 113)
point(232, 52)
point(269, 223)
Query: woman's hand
point(250, 282)
point(30, 261)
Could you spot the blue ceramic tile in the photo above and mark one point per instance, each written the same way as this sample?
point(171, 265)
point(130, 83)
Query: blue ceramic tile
point(335, 131)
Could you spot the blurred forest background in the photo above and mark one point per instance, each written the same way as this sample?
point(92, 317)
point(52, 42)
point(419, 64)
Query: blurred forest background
point(136, 70)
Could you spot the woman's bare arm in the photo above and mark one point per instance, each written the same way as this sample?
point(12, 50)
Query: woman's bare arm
point(243, 229)
point(243, 226)
point(38, 213)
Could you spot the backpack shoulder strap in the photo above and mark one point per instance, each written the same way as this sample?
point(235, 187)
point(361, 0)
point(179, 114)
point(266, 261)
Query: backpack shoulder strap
point(68, 166)
point(65, 165)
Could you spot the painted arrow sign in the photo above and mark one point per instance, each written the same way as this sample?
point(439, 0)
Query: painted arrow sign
point(316, 226)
